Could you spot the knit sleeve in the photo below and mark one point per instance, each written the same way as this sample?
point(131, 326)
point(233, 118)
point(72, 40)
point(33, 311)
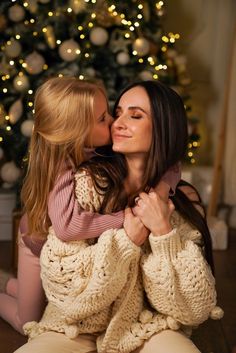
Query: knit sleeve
point(84, 279)
point(177, 279)
point(69, 219)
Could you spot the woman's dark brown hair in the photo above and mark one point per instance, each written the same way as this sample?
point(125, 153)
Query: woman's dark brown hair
point(168, 147)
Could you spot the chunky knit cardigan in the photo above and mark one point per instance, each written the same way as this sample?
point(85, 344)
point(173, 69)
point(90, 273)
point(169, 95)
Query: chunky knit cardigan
point(122, 292)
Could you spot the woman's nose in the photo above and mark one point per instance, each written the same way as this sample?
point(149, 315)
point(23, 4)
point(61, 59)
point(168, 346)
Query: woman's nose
point(119, 122)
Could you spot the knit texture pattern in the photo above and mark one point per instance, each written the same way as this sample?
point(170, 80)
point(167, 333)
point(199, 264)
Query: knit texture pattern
point(123, 292)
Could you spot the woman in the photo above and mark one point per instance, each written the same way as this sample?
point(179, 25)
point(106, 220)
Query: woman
point(135, 288)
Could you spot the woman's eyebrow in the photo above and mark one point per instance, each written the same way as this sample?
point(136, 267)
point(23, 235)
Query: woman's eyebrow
point(133, 108)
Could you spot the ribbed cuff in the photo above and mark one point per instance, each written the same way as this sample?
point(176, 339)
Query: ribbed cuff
point(126, 243)
point(167, 245)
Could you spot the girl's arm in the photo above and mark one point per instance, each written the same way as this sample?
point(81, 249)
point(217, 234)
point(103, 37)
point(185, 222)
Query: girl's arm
point(72, 222)
point(69, 220)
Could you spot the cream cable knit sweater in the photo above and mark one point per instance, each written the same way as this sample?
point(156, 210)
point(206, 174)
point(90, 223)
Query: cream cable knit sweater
point(120, 291)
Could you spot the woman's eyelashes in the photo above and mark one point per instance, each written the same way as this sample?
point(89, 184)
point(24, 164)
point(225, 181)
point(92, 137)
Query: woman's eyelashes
point(132, 116)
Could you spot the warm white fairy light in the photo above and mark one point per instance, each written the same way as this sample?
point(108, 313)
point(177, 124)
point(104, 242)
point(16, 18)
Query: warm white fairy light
point(11, 62)
point(30, 104)
point(35, 33)
point(25, 4)
point(159, 5)
point(93, 15)
point(7, 117)
point(58, 41)
point(17, 36)
point(30, 91)
point(140, 60)
point(81, 77)
point(32, 20)
point(69, 9)
point(8, 128)
point(45, 67)
point(50, 13)
point(155, 76)
point(80, 28)
point(90, 24)
point(82, 36)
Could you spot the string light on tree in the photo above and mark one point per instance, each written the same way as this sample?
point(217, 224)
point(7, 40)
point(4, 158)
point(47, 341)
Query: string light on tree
point(104, 40)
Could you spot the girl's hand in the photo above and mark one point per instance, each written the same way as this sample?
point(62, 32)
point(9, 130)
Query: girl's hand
point(134, 228)
point(154, 212)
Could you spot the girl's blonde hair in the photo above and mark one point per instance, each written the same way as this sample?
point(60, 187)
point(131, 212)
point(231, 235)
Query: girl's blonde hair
point(64, 116)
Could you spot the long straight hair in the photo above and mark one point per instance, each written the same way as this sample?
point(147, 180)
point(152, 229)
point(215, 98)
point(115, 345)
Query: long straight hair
point(168, 146)
point(63, 119)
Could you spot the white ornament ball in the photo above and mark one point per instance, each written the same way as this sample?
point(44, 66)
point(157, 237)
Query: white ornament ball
point(16, 13)
point(34, 63)
point(1, 153)
point(10, 173)
point(13, 48)
point(141, 46)
point(123, 58)
point(180, 60)
point(90, 72)
point(15, 111)
point(146, 75)
point(32, 6)
point(171, 53)
point(21, 83)
point(27, 128)
point(98, 36)
point(77, 6)
point(69, 50)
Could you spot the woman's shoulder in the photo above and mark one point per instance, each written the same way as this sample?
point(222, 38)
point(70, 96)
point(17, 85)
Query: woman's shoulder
point(192, 194)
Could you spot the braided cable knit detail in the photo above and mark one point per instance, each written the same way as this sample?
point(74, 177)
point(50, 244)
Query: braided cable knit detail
point(97, 285)
point(177, 279)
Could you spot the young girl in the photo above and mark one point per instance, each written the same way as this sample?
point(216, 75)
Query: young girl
point(132, 289)
point(71, 116)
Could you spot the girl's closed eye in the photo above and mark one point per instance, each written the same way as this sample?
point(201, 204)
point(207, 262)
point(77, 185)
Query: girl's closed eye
point(102, 118)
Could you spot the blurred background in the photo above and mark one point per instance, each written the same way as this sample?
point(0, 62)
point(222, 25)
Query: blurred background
point(189, 45)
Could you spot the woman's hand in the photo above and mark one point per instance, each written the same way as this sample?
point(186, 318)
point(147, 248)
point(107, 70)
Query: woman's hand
point(134, 228)
point(154, 212)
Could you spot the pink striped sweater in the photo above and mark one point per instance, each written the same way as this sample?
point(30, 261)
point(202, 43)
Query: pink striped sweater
point(71, 222)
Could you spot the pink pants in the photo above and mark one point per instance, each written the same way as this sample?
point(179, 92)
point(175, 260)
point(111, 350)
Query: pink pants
point(24, 299)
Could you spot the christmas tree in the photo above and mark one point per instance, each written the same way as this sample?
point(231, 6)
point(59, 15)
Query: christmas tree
point(114, 41)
